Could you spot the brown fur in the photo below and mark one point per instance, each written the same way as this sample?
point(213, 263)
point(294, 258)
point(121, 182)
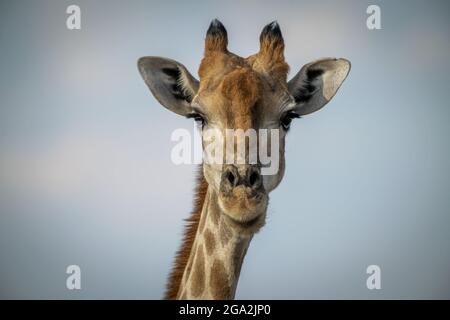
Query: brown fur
point(198, 277)
point(192, 222)
point(225, 233)
point(242, 89)
point(202, 222)
point(188, 268)
point(214, 213)
point(234, 86)
point(220, 286)
point(236, 89)
point(238, 259)
point(270, 59)
point(216, 42)
point(210, 243)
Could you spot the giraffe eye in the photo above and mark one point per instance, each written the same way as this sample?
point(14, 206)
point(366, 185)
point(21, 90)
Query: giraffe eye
point(286, 119)
point(199, 119)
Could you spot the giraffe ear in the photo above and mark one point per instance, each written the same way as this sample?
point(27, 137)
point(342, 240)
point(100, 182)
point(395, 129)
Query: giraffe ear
point(170, 82)
point(317, 82)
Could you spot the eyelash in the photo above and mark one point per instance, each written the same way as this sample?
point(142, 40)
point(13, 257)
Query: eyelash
point(199, 119)
point(285, 121)
point(287, 118)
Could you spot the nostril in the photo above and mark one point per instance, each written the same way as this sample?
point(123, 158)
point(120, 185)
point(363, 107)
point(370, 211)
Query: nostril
point(231, 178)
point(254, 178)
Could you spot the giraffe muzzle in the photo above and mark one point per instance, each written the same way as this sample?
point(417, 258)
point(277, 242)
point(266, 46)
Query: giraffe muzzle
point(242, 196)
point(248, 176)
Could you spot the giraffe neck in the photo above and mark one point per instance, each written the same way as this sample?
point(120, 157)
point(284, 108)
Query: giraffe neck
point(214, 264)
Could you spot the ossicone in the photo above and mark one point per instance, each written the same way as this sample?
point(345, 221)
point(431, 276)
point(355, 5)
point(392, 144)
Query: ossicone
point(216, 37)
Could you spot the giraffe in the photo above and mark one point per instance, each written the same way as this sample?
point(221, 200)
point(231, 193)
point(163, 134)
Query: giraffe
point(231, 199)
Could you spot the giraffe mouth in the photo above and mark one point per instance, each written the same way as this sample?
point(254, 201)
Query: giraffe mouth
point(247, 227)
point(243, 209)
point(248, 223)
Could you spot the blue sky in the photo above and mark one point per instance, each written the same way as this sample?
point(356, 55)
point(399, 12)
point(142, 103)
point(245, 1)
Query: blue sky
point(85, 171)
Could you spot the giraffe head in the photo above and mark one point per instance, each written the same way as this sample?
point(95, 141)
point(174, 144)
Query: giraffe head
point(244, 93)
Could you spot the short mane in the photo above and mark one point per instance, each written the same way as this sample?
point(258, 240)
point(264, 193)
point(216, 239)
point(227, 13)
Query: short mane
point(190, 231)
